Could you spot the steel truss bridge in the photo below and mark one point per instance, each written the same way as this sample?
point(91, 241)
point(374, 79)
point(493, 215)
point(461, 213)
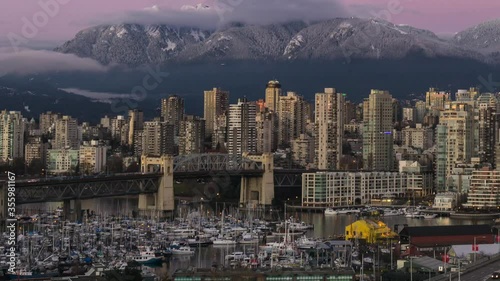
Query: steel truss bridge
point(185, 167)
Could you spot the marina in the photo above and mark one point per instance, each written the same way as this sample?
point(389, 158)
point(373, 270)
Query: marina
point(52, 246)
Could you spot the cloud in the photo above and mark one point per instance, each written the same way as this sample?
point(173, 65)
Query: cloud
point(41, 61)
point(103, 97)
point(216, 13)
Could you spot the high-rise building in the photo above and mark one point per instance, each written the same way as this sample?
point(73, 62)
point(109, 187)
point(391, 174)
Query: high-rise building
point(191, 135)
point(158, 139)
point(219, 136)
point(172, 111)
point(409, 114)
point(11, 135)
point(242, 130)
point(216, 104)
point(48, 121)
point(292, 118)
point(135, 123)
point(267, 129)
point(62, 161)
point(420, 111)
point(378, 153)
point(119, 129)
point(92, 157)
point(36, 149)
point(329, 129)
point(303, 150)
point(418, 137)
point(106, 122)
point(455, 140)
point(67, 135)
point(273, 93)
point(487, 109)
point(435, 100)
point(484, 189)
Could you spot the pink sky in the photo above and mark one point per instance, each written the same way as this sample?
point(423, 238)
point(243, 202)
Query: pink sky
point(440, 16)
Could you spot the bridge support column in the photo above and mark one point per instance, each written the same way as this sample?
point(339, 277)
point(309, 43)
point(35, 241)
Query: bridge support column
point(163, 201)
point(143, 201)
point(77, 207)
point(67, 209)
point(259, 190)
point(165, 198)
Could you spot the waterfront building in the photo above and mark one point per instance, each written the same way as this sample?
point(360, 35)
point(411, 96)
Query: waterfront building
point(330, 189)
point(484, 191)
point(371, 231)
point(445, 201)
point(419, 180)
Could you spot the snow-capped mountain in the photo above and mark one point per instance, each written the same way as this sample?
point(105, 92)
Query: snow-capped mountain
point(341, 38)
point(484, 38)
point(133, 44)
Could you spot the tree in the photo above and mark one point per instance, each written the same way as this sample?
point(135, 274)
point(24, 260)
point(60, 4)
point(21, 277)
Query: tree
point(17, 166)
point(133, 168)
point(35, 167)
point(114, 164)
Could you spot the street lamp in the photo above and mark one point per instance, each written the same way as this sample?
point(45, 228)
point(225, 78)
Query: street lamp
point(475, 246)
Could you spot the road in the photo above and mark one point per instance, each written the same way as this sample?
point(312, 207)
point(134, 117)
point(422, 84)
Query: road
point(480, 274)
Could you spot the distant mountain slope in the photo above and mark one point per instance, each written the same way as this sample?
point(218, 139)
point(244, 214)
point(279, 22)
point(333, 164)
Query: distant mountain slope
point(132, 44)
point(339, 38)
point(484, 38)
point(32, 97)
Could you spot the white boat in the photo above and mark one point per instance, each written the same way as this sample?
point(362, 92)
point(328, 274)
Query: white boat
point(305, 243)
point(348, 211)
point(330, 211)
point(235, 256)
point(183, 250)
point(223, 242)
point(415, 215)
point(147, 257)
point(390, 213)
point(430, 216)
point(249, 238)
point(300, 226)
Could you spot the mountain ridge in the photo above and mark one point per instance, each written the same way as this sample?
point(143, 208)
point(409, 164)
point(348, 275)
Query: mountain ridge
point(339, 38)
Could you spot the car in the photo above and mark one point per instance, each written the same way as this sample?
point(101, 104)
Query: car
point(495, 275)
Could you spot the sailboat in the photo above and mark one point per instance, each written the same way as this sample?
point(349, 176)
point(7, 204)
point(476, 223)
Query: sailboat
point(221, 240)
